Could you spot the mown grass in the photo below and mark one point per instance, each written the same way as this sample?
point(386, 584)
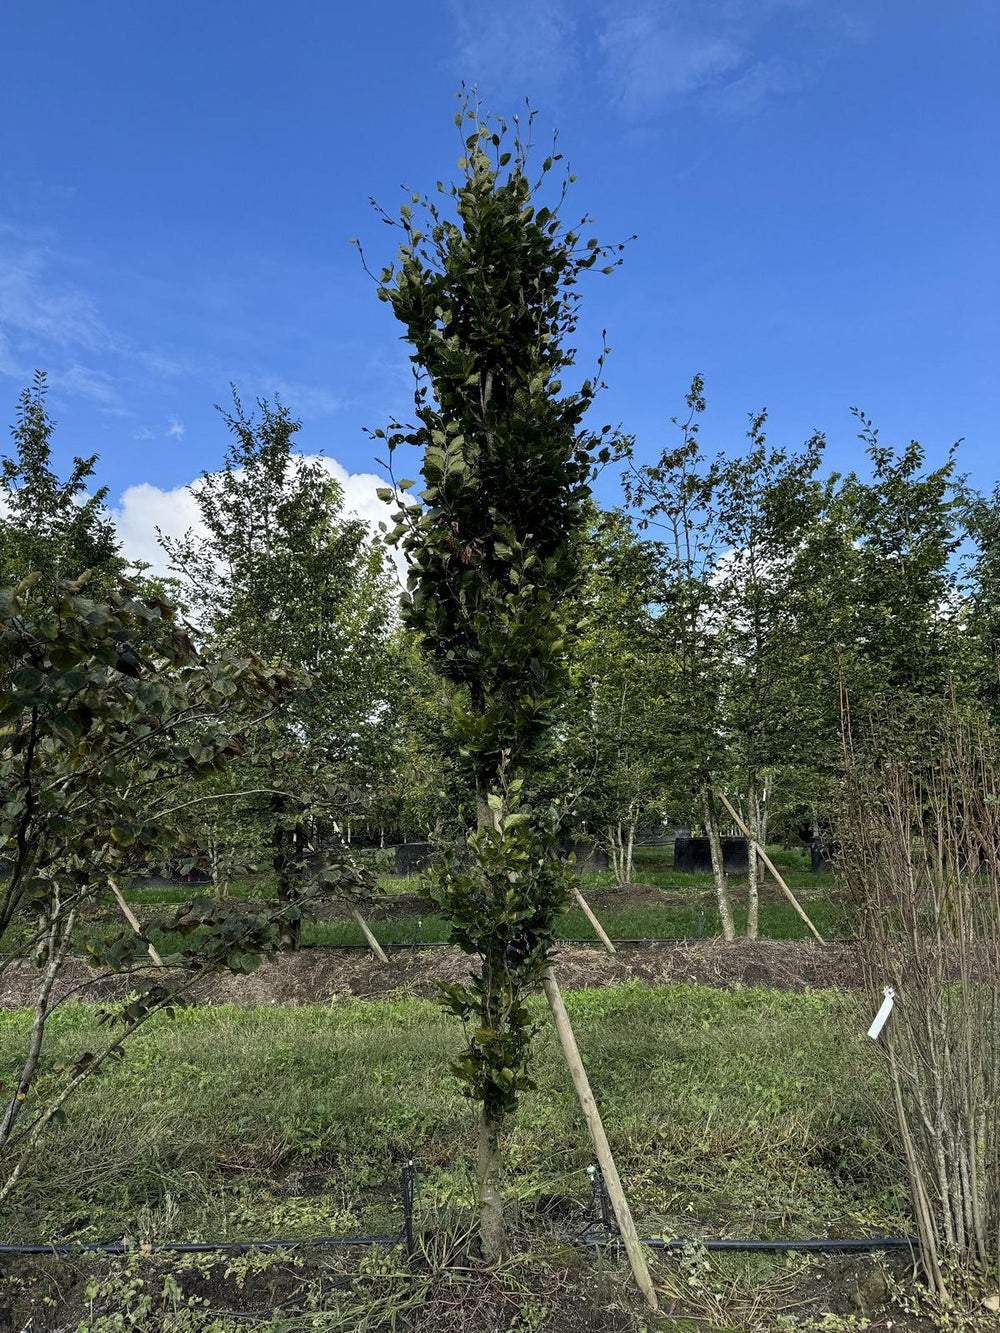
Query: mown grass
point(729, 1112)
point(696, 919)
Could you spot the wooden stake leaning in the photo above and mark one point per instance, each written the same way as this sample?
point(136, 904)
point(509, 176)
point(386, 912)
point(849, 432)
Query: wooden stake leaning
point(130, 917)
point(585, 908)
point(616, 1194)
point(771, 866)
point(376, 948)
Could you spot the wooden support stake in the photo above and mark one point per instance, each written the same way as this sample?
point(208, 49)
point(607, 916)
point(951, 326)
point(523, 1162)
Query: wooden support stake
point(623, 1213)
point(771, 866)
point(376, 948)
point(130, 917)
point(585, 908)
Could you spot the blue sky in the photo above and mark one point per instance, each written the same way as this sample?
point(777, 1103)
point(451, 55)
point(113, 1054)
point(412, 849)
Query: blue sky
point(814, 186)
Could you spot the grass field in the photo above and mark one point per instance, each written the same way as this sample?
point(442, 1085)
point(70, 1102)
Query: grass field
point(735, 1113)
point(688, 908)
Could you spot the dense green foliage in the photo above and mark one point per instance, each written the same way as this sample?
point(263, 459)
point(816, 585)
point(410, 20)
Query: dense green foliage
point(272, 521)
point(49, 526)
point(486, 293)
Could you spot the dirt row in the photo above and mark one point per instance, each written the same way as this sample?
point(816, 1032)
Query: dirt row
point(324, 976)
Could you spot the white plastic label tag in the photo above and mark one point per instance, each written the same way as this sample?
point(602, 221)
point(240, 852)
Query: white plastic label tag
point(883, 1013)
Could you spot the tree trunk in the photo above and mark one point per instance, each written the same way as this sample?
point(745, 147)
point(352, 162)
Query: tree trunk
point(220, 887)
point(492, 1232)
point(718, 863)
point(615, 853)
point(289, 930)
point(633, 820)
point(492, 1227)
point(57, 940)
point(757, 821)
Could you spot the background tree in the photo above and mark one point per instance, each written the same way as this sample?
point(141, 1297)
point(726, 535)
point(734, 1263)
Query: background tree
point(101, 737)
point(613, 732)
point(49, 526)
point(486, 293)
point(981, 606)
point(278, 569)
point(904, 578)
point(765, 503)
point(674, 499)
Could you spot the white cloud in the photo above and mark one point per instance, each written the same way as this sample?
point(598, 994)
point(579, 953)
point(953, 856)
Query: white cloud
point(655, 52)
point(528, 42)
point(144, 508)
point(175, 430)
point(10, 364)
point(303, 400)
point(97, 385)
point(39, 310)
point(652, 54)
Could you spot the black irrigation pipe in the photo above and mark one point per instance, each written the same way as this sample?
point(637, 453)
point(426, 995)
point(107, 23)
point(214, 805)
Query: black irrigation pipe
point(608, 1239)
point(565, 939)
point(403, 1237)
point(821, 1245)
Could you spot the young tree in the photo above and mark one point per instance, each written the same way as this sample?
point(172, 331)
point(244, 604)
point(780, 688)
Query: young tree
point(981, 605)
point(47, 525)
point(486, 292)
point(765, 504)
point(674, 497)
point(101, 737)
point(280, 571)
point(613, 727)
point(903, 577)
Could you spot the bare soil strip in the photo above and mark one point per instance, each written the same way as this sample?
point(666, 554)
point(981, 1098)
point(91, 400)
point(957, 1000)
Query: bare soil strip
point(325, 976)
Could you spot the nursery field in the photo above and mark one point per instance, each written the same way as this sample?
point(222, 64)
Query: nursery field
point(664, 905)
point(730, 1113)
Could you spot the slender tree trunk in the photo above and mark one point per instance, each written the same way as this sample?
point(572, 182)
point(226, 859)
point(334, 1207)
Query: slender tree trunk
point(718, 863)
point(219, 886)
point(758, 821)
point(616, 853)
point(492, 1231)
point(492, 1227)
point(754, 864)
point(630, 845)
point(57, 941)
point(289, 931)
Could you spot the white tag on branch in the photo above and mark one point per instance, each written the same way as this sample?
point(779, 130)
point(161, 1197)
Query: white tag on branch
point(883, 1013)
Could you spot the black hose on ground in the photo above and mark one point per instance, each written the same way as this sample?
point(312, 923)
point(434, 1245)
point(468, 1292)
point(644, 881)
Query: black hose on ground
point(818, 1245)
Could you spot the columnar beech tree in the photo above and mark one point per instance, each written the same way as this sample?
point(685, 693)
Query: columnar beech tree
point(485, 287)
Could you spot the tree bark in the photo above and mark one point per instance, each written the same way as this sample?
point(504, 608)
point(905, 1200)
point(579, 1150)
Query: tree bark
point(289, 931)
point(492, 1232)
point(718, 863)
point(755, 866)
point(492, 1224)
point(57, 942)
